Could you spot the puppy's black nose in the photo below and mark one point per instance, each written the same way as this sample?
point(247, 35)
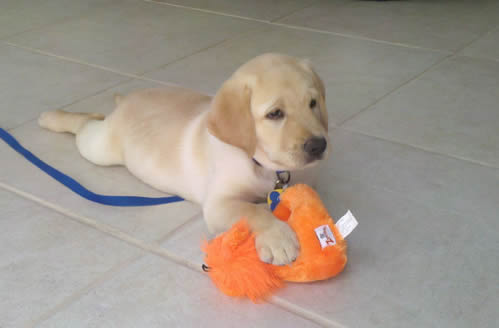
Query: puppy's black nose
point(315, 146)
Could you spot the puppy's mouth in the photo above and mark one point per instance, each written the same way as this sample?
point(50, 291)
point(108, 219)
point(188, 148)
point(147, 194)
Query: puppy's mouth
point(298, 162)
point(290, 160)
point(313, 160)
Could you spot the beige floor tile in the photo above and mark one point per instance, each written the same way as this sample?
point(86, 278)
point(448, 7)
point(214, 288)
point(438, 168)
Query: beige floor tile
point(45, 258)
point(32, 83)
point(158, 293)
point(451, 109)
point(264, 10)
point(135, 36)
point(445, 25)
point(23, 15)
point(485, 47)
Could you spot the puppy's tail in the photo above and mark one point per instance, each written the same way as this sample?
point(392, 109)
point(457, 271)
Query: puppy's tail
point(62, 121)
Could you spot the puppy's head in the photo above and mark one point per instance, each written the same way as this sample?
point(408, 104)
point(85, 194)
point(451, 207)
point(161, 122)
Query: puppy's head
point(273, 108)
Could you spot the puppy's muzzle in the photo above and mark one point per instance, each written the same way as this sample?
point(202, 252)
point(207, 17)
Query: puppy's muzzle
point(315, 147)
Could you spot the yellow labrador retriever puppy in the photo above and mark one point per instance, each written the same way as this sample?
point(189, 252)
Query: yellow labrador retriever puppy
point(220, 152)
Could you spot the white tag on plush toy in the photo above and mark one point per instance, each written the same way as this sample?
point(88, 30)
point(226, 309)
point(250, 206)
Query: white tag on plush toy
point(325, 236)
point(346, 224)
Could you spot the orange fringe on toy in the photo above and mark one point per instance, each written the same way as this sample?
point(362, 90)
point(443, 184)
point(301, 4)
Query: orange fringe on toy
point(234, 265)
point(236, 269)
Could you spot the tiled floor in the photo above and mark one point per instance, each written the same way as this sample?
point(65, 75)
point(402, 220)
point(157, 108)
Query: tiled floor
point(413, 94)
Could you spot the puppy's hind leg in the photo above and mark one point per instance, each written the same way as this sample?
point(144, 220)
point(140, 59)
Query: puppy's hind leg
point(94, 138)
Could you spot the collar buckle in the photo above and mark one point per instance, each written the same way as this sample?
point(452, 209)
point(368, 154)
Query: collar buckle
point(283, 178)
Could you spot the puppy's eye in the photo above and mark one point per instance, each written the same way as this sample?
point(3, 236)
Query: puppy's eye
point(313, 103)
point(276, 114)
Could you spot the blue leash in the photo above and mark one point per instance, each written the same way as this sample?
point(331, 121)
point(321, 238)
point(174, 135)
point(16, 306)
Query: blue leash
point(77, 187)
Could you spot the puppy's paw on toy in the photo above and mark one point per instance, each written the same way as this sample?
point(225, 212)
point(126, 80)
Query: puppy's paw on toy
point(277, 244)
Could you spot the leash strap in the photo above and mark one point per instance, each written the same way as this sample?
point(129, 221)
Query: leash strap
point(76, 187)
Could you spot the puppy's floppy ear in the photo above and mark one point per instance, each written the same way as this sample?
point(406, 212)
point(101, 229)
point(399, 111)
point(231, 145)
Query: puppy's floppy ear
point(322, 90)
point(230, 118)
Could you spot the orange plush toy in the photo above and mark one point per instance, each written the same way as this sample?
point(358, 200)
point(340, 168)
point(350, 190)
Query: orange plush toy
point(233, 263)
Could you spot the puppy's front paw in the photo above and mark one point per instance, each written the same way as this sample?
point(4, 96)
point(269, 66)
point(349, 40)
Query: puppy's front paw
point(277, 244)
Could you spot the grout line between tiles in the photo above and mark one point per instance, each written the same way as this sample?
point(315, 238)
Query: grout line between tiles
point(420, 148)
point(458, 53)
point(415, 77)
point(152, 248)
point(65, 303)
point(474, 40)
point(277, 19)
point(54, 22)
point(358, 37)
point(304, 313)
point(483, 58)
point(228, 39)
point(207, 11)
point(169, 234)
point(303, 28)
point(143, 73)
point(80, 62)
